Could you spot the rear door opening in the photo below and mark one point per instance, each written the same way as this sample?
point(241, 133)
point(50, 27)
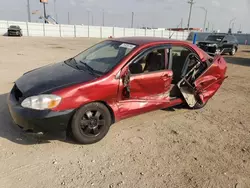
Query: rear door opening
point(201, 80)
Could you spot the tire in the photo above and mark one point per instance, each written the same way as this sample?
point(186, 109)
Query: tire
point(91, 123)
point(199, 105)
point(233, 51)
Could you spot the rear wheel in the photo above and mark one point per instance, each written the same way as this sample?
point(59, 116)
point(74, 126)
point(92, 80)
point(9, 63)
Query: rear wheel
point(199, 105)
point(233, 51)
point(91, 123)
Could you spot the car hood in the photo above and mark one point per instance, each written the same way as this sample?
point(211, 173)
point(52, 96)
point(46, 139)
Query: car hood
point(50, 78)
point(208, 42)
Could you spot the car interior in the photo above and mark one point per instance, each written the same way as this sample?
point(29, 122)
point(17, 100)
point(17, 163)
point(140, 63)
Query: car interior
point(156, 61)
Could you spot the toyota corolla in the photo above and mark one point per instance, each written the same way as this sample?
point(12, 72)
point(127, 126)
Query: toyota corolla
point(113, 80)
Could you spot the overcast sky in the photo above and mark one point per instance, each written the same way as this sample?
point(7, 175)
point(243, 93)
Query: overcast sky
point(157, 13)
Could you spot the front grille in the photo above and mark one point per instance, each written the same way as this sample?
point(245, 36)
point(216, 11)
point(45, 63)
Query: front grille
point(17, 93)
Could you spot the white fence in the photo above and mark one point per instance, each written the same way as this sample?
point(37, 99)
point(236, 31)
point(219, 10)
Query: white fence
point(49, 30)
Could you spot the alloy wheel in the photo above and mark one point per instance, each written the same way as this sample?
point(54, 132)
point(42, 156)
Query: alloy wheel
point(92, 123)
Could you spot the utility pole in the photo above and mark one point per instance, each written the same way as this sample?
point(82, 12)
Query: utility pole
point(44, 13)
point(103, 17)
point(181, 22)
point(132, 21)
point(205, 21)
point(68, 18)
point(88, 16)
point(28, 10)
point(232, 27)
point(231, 22)
point(191, 2)
point(92, 17)
point(55, 14)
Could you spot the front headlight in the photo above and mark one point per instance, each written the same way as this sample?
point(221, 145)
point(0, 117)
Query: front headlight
point(41, 102)
point(211, 45)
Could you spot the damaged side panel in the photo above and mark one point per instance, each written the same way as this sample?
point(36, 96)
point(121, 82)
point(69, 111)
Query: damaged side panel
point(205, 85)
point(210, 81)
point(144, 93)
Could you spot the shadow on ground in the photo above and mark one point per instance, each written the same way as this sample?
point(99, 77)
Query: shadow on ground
point(11, 132)
point(247, 51)
point(238, 61)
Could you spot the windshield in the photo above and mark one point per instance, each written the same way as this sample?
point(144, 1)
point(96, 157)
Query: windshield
point(216, 38)
point(103, 57)
point(13, 27)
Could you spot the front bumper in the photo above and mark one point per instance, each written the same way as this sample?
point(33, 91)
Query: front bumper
point(14, 33)
point(36, 120)
point(209, 49)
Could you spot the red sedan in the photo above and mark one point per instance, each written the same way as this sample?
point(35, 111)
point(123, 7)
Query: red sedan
point(113, 80)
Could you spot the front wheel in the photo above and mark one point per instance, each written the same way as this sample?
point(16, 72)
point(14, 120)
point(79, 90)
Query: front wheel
point(91, 123)
point(233, 51)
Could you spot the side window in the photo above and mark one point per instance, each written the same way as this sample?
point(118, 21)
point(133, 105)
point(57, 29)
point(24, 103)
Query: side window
point(150, 62)
point(179, 54)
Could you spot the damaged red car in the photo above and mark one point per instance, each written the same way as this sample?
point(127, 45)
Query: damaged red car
point(113, 80)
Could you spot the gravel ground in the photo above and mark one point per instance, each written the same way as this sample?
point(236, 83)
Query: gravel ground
point(181, 148)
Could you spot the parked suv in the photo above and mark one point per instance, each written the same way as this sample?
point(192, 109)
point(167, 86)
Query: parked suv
point(216, 43)
point(15, 30)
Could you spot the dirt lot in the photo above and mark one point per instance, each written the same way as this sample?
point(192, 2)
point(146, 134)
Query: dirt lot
point(175, 148)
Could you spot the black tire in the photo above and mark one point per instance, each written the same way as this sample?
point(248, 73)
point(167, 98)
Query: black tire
point(199, 105)
point(91, 123)
point(233, 51)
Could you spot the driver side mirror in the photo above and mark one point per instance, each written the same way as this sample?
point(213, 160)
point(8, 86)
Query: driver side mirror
point(224, 41)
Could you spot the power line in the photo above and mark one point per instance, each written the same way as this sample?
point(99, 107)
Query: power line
point(191, 2)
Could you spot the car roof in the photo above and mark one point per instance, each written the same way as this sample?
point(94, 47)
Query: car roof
point(141, 41)
point(146, 40)
point(221, 34)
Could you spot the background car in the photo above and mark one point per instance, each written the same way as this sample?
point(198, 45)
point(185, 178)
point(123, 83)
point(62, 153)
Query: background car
point(15, 30)
point(113, 80)
point(216, 43)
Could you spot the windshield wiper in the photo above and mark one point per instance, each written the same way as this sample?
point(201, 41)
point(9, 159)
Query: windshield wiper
point(88, 67)
point(75, 63)
point(93, 71)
